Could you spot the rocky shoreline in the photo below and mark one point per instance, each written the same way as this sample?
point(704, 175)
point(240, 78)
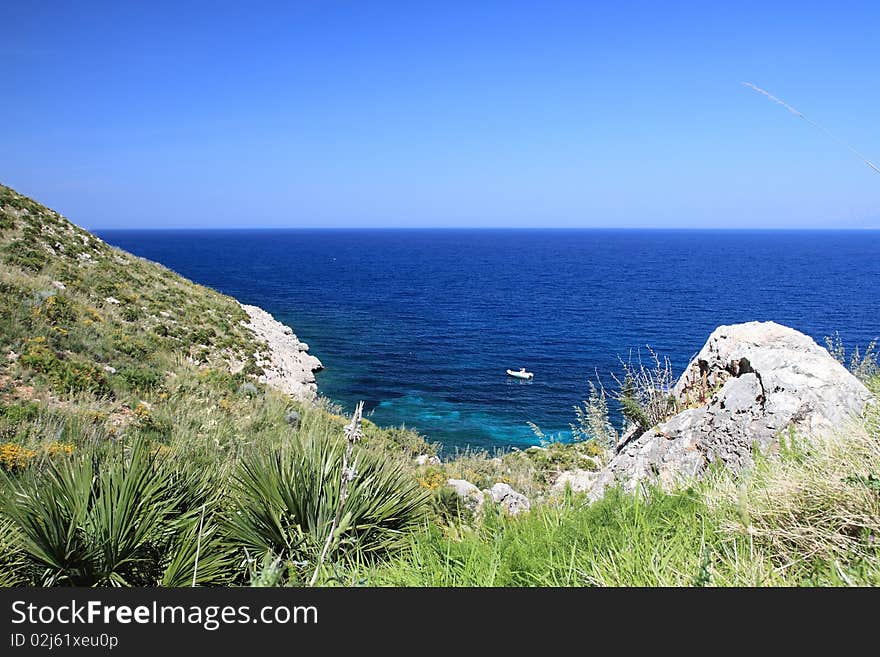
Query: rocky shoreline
point(287, 364)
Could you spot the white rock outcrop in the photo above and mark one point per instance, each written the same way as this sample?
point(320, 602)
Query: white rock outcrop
point(749, 384)
point(578, 480)
point(470, 495)
point(287, 365)
point(510, 500)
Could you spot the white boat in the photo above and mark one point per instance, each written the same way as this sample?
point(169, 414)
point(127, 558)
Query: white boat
point(521, 373)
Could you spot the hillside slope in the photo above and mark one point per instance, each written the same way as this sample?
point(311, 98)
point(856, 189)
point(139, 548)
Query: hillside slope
point(85, 326)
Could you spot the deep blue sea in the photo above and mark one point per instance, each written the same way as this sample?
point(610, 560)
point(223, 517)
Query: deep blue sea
point(422, 324)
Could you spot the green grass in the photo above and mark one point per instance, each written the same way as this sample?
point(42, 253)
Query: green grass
point(620, 540)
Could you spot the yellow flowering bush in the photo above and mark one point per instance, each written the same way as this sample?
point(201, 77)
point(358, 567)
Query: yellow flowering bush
point(95, 417)
point(56, 448)
point(432, 480)
point(15, 457)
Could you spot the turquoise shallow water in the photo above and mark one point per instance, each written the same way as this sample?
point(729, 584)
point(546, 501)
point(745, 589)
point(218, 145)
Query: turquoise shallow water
point(423, 324)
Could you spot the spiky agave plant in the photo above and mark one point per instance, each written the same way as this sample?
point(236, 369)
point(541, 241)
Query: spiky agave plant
point(290, 499)
point(12, 561)
point(100, 518)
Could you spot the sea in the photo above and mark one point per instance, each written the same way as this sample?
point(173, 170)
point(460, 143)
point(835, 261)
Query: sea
point(422, 324)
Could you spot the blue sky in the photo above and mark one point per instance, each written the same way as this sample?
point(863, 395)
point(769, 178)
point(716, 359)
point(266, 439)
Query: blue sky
point(311, 114)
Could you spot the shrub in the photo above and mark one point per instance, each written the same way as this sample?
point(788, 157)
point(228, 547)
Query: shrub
point(24, 254)
point(38, 356)
point(131, 313)
point(97, 519)
point(64, 375)
point(57, 310)
point(15, 457)
point(251, 368)
point(140, 379)
point(591, 420)
point(130, 346)
point(203, 335)
point(449, 507)
point(19, 413)
point(286, 500)
point(150, 423)
point(645, 394)
point(864, 366)
point(77, 376)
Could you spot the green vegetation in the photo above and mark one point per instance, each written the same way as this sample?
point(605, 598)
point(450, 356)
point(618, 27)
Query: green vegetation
point(138, 448)
point(285, 500)
point(90, 519)
point(805, 518)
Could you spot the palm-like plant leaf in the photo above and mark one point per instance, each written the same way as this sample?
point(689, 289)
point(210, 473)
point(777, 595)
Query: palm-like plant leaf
point(99, 519)
point(286, 500)
point(198, 556)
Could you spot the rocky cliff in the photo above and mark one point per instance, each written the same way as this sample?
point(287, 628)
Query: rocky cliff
point(287, 364)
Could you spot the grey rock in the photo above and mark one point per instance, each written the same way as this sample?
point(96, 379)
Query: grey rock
point(510, 500)
point(293, 419)
point(427, 459)
point(249, 389)
point(471, 496)
point(604, 479)
point(749, 383)
point(578, 480)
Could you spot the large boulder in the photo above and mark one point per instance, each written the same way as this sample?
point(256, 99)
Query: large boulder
point(749, 384)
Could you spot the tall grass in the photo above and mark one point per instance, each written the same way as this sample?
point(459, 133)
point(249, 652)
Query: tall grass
point(816, 509)
point(620, 540)
point(863, 364)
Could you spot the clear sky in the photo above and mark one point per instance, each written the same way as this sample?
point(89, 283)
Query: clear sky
point(310, 114)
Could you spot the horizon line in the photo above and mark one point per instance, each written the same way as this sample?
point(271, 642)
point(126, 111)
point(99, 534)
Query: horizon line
point(489, 228)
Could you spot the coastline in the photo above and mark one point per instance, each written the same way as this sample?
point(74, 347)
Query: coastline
point(286, 363)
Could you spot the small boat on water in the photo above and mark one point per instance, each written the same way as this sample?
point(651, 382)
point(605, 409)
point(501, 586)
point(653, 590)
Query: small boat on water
point(521, 373)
